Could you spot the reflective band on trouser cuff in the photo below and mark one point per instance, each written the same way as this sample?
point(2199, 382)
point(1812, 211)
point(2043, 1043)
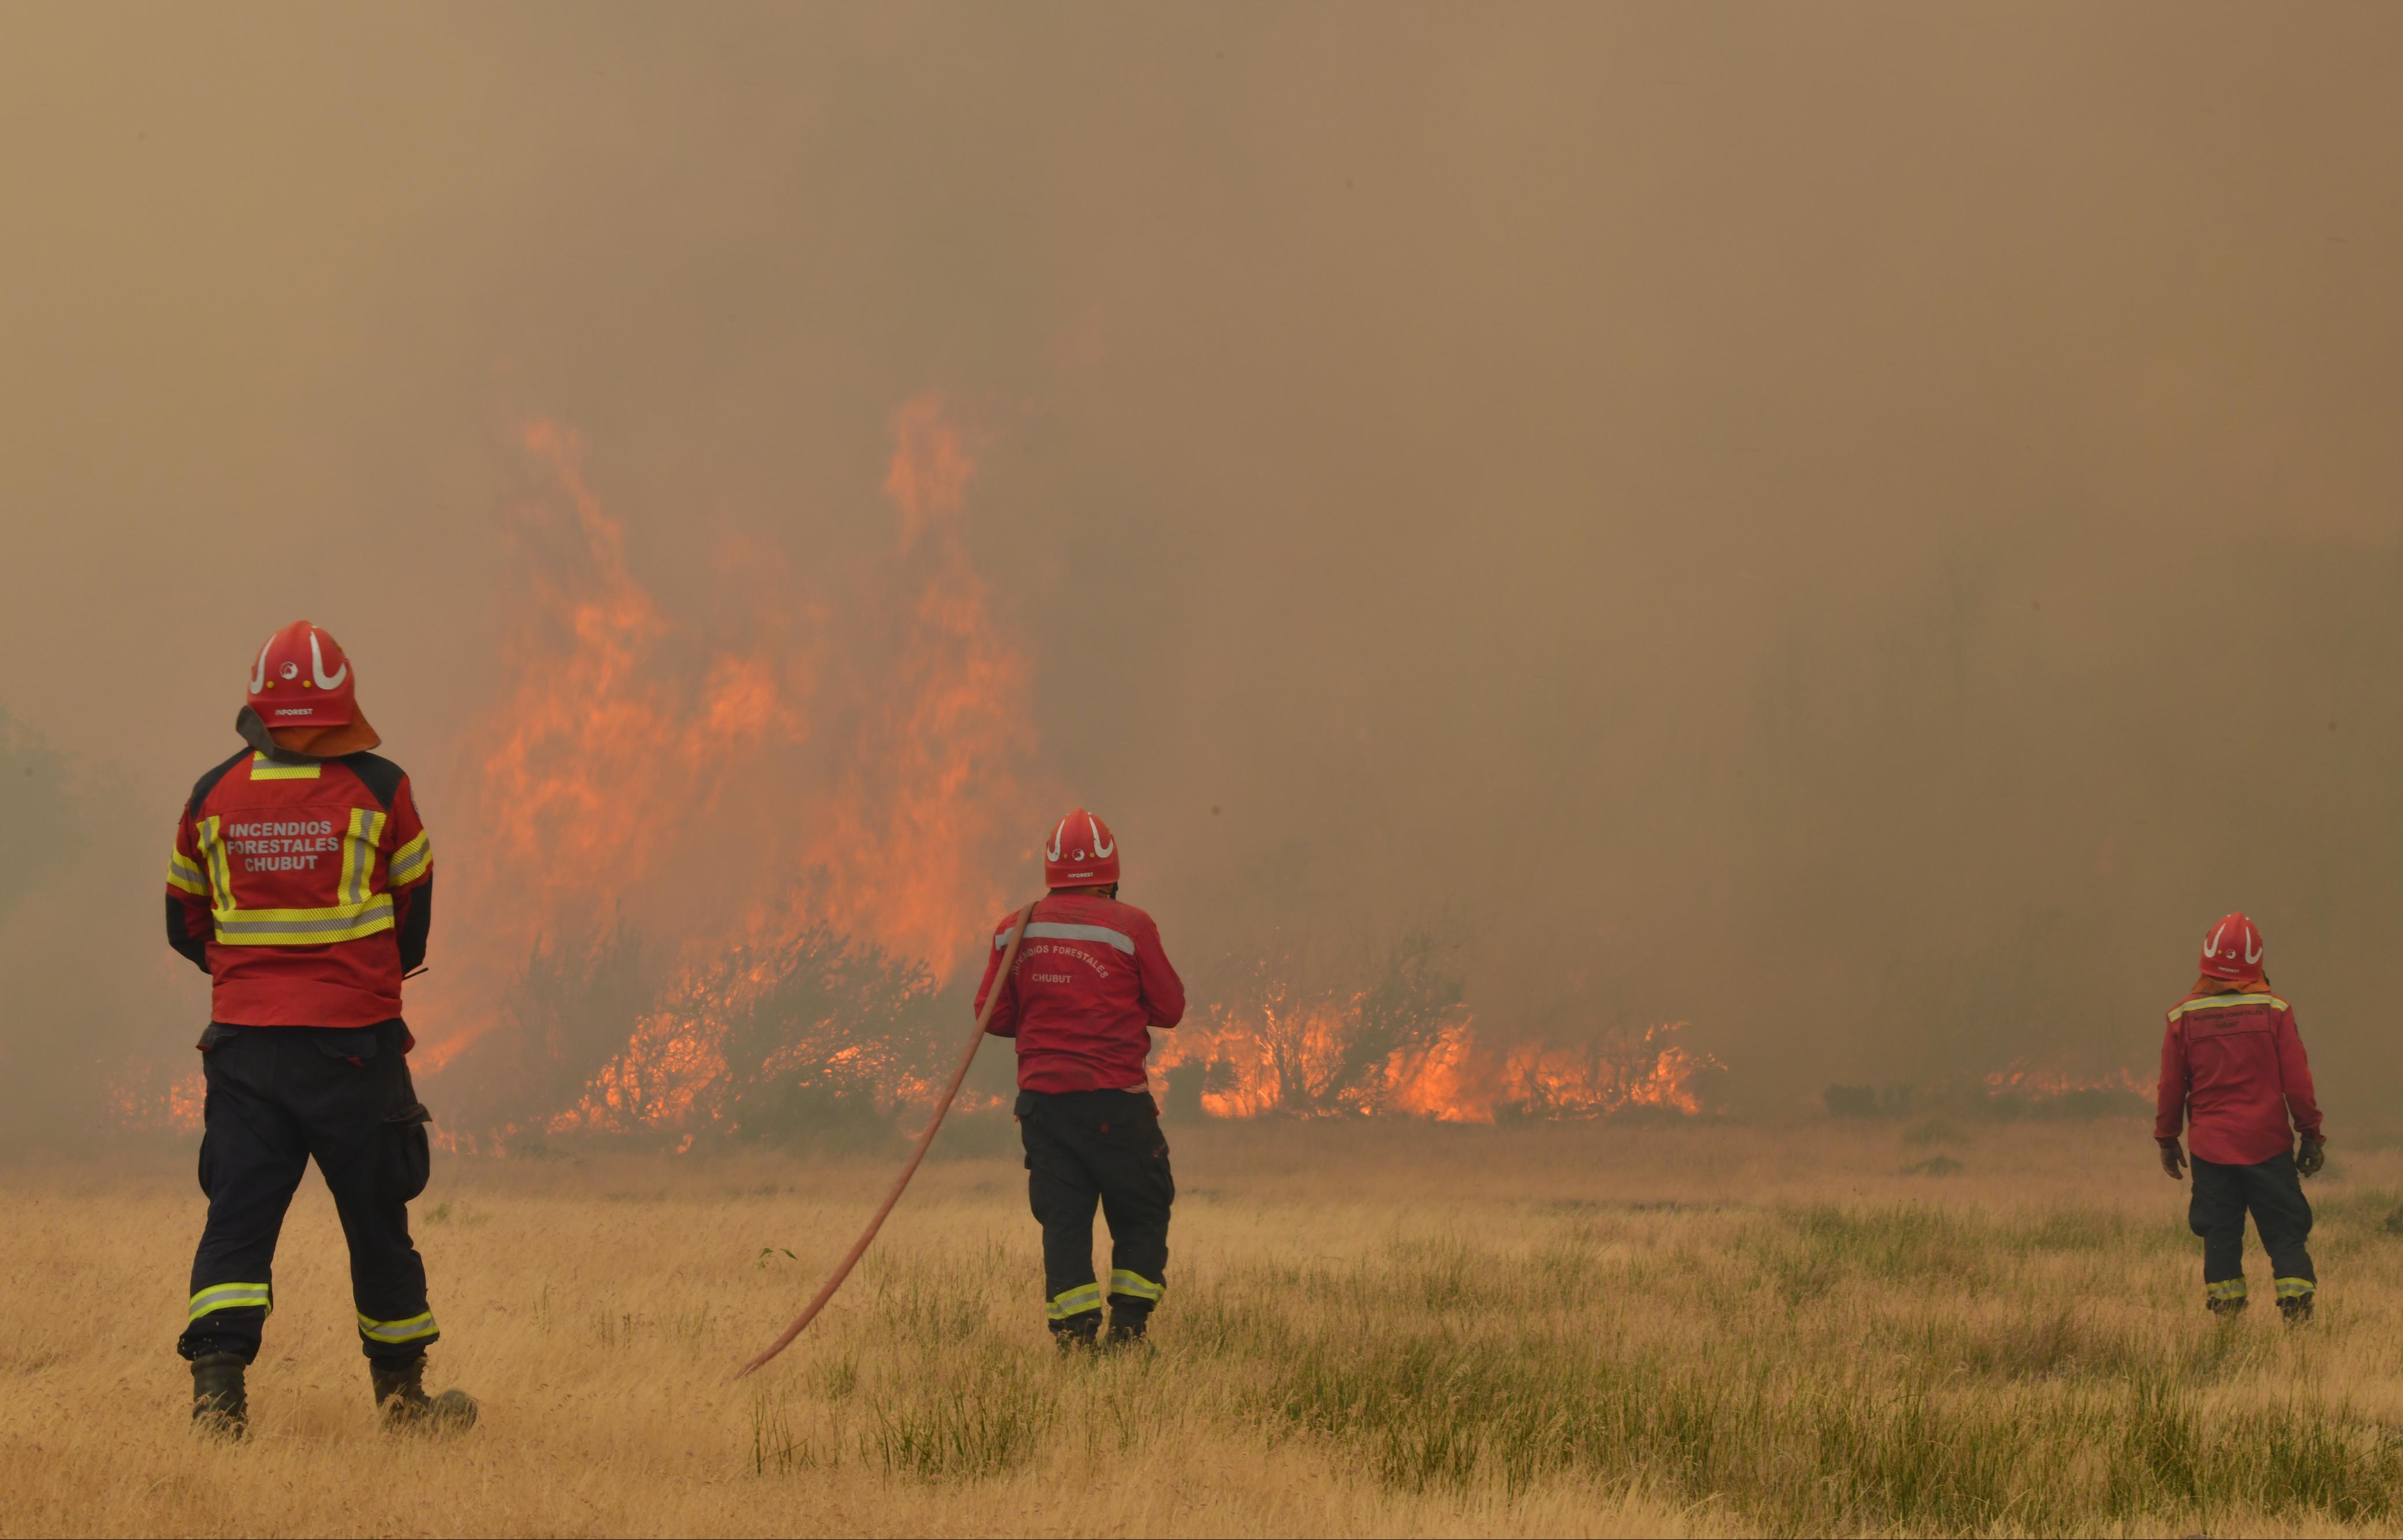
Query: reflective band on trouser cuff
point(397, 1331)
point(358, 856)
point(1076, 1301)
point(183, 875)
point(218, 1296)
point(1134, 1286)
point(2295, 1288)
point(410, 862)
point(303, 927)
point(2227, 1288)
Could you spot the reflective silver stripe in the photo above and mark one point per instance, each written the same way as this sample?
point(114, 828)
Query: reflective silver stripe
point(2219, 1001)
point(221, 868)
point(2295, 1288)
point(397, 1331)
point(183, 874)
point(1134, 1286)
point(408, 861)
point(218, 1296)
point(1045, 930)
point(360, 853)
point(343, 917)
point(1076, 1301)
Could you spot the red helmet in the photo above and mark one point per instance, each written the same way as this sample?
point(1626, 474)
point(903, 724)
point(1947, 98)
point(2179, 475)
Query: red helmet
point(2232, 948)
point(1081, 853)
point(306, 694)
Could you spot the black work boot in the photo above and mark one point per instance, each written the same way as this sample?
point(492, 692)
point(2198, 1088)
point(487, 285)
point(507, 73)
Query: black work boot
point(220, 1406)
point(1078, 1333)
point(2226, 1310)
point(1127, 1329)
point(2296, 1308)
point(404, 1406)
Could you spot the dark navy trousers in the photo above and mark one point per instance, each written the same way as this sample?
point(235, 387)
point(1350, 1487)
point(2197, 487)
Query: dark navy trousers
point(278, 1097)
point(1101, 1147)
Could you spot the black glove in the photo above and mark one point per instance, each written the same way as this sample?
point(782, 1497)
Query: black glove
point(2313, 1156)
point(2174, 1159)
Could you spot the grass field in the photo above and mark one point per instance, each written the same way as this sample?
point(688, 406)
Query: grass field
point(1369, 1330)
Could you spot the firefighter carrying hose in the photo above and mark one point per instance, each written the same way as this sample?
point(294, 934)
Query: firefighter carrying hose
point(302, 883)
point(1090, 982)
point(2233, 1073)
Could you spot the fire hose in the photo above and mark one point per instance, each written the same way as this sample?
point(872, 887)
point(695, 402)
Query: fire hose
point(918, 1152)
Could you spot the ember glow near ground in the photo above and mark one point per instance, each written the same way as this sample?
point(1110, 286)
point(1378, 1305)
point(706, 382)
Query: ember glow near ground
point(1371, 1329)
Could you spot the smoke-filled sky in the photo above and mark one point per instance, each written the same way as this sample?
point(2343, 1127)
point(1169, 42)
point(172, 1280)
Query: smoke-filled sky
point(1863, 527)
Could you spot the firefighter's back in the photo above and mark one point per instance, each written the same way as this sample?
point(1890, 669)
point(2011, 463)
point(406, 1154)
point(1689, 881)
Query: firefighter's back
point(1090, 982)
point(2233, 1074)
point(300, 867)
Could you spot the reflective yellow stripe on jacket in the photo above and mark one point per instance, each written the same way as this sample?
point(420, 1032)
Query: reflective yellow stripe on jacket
point(303, 927)
point(410, 862)
point(183, 875)
point(2217, 1002)
point(348, 920)
point(360, 853)
point(213, 857)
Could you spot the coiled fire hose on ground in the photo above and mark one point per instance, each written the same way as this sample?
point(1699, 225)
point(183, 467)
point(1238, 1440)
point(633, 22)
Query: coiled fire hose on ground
point(859, 1247)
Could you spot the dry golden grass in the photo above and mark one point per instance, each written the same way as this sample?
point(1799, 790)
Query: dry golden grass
point(1386, 1330)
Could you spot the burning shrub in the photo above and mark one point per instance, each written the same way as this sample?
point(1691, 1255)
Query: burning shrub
point(1623, 1073)
point(573, 1008)
point(1287, 1039)
point(839, 1036)
point(850, 746)
point(1283, 1037)
point(816, 1037)
point(570, 1010)
point(1402, 1019)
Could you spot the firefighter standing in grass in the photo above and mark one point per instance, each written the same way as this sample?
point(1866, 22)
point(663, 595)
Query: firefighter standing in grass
point(302, 882)
point(1089, 982)
point(2233, 1074)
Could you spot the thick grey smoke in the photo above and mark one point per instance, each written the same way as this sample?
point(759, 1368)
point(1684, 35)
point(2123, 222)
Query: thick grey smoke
point(1865, 527)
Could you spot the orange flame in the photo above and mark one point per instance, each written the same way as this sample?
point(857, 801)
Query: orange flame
point(144, 1104)
point(821, 785)
point(2031, 1083)
point(852, 751)
point(1285, 1060)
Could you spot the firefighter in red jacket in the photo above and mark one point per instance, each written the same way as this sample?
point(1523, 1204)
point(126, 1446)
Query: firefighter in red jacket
point(302, 883)
point(1090, 982)
point(2233, 1074)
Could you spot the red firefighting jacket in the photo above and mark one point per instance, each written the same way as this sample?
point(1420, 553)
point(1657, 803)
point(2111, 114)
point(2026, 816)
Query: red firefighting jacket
point(1090, 978)
point(2232, 1069)
point(304, 890)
